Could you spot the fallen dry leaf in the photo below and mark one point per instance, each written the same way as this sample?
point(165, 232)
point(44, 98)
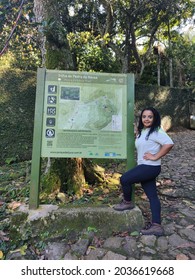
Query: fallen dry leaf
point(190, 226)
point(106, 191)
point(186, 245)
point(13, 205)
point(182, 257)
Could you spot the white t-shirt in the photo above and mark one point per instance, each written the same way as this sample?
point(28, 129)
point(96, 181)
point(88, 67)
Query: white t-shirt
point(152, 145)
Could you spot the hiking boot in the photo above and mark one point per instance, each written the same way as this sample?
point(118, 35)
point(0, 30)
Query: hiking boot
point(124, 205)
point(152, 229)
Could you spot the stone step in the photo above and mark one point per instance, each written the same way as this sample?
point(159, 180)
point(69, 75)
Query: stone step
point(58, 221)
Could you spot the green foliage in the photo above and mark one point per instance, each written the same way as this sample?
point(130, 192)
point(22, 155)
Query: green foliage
point(183, 51)
point(114, 36)
point(92, 229)
point(134, 233)
point(6, 60)
point(93, 53)
point(52, 58)
point(104, 36)
point(10, 160)
point(17, 101)
point(23, 46)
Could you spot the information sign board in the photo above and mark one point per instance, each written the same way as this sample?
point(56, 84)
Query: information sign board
point(81, 115)
point(85, 115)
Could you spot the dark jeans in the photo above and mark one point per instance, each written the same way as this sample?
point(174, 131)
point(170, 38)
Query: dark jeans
point(146, 175)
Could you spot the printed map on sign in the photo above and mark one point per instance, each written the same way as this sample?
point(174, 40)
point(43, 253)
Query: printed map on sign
point(90, 108)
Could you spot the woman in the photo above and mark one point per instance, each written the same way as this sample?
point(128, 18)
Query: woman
point(152, 143)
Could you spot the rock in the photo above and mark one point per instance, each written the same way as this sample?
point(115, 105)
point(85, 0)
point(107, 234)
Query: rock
point(148, 239)
point(189, 233)
point(56, 250)
point(95, 254)
point(130, 247)
point(70, 256)
point(113, 243)
point(80, 247)
point(162, 244)
point(176, 241)
point(113, 256)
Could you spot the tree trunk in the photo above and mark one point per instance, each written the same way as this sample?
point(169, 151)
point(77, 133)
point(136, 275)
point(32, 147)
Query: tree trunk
point(67, 174)
point(158, 68)
point(171, 72)
point(181, 76)
point(39, 17)
point(170, 58)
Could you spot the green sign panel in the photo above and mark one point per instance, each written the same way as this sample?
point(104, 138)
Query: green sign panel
point(81, 114)
point(85, 115)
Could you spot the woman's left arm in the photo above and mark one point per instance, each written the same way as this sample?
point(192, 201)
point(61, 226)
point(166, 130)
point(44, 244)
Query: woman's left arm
point(163, 151)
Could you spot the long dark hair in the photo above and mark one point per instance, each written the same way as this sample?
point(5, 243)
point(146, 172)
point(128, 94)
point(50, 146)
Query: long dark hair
point(155, 125)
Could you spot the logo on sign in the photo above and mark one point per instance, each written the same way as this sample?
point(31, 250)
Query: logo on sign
point(50, 133)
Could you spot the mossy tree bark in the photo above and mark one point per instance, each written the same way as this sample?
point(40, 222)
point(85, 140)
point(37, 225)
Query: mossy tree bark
point(67, 175)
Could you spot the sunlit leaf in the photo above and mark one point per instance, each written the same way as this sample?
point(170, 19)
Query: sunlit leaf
point(1, 255)
point(134, 233)
point(23, 250)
